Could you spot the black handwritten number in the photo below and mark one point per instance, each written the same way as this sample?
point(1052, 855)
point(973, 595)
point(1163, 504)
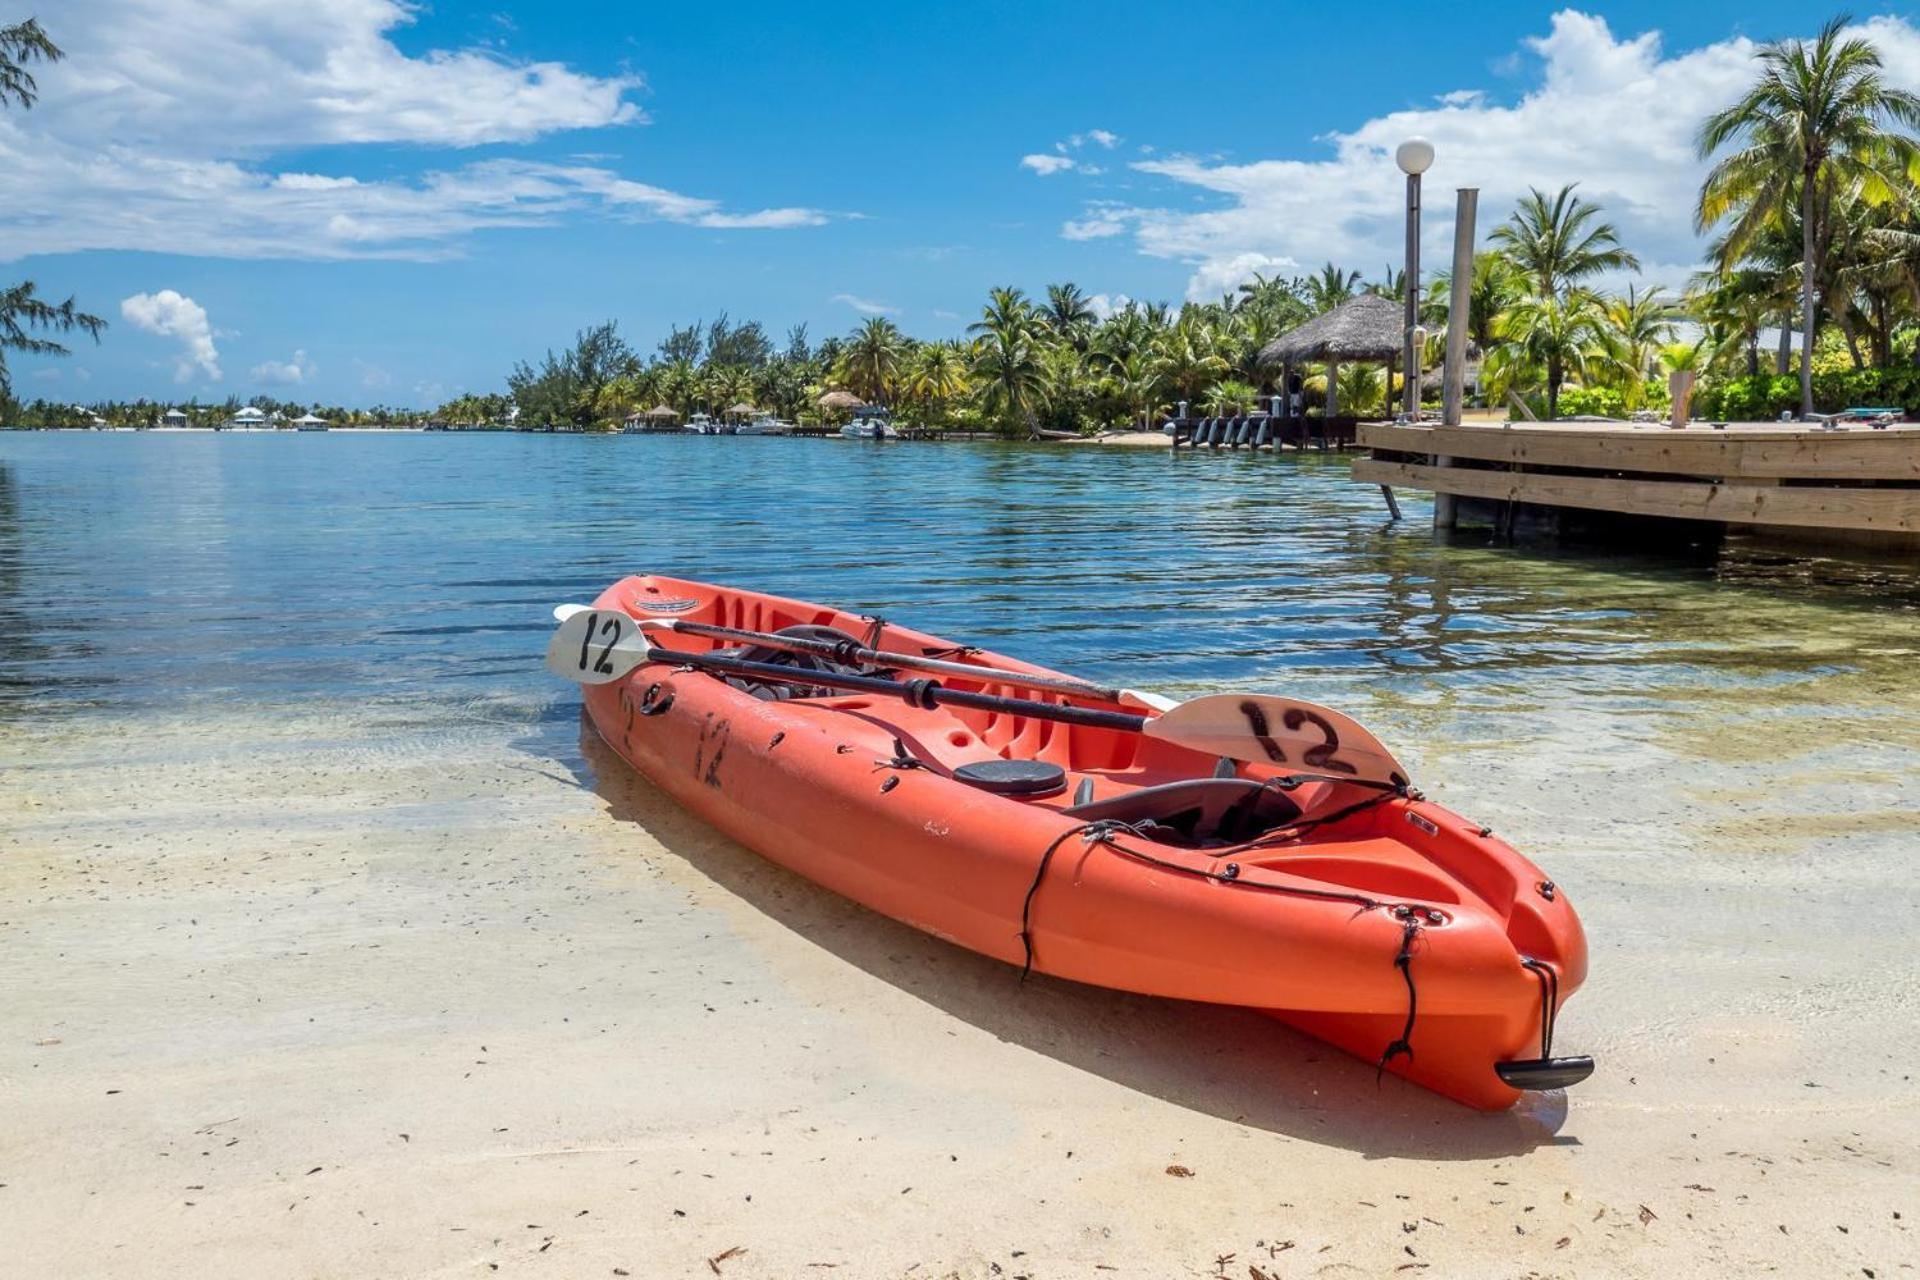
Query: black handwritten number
point(603, 666)
point(586, 638)
point(1257, 723)
point(1321, 756)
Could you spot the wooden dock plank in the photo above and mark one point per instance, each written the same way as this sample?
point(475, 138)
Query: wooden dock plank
point(1870, 510)
point(1796, 453)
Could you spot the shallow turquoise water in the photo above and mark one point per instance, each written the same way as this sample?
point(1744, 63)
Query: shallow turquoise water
point(159, 571)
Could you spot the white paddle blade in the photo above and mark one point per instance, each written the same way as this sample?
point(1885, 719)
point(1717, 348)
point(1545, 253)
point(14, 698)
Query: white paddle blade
point(1297, 736)
point(596, 646)
point(1140, 698)
point(561, 612)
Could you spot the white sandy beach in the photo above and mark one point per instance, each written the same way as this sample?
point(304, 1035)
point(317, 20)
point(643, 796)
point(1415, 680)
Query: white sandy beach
point(349, 999)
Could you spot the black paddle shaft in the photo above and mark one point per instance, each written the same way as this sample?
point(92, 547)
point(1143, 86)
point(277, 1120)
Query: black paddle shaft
point(848, 650)
point(923, 693)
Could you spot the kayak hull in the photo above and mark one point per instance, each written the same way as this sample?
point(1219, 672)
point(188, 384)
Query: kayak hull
point(1403, 908)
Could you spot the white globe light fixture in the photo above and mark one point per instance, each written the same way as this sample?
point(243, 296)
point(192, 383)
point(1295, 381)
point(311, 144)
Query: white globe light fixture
point(1414, 156)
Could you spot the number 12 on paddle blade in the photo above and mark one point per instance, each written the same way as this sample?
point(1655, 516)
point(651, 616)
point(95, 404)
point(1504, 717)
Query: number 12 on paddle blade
point(595, 646)
point(1295, 736)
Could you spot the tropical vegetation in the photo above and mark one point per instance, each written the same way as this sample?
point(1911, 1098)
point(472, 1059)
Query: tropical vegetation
point(1811, 205)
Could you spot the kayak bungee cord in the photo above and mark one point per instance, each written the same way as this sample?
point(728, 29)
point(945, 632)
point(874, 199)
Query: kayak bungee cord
point(1102, 832)
point(1549, 1000)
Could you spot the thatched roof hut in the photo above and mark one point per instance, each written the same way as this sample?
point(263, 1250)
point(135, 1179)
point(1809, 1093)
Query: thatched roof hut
point(841, 400)
point(658, 411)
point(1368, 327)
point(742, 409)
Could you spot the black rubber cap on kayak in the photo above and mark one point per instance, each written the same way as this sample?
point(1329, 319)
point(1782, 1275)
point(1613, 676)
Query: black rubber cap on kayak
point(1014, 777)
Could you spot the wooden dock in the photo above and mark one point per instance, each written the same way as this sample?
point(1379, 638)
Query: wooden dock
point(1853, 485)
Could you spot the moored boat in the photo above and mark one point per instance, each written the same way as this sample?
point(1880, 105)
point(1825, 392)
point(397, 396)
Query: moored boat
point(871, 423)
point(764, 424)
point(1240, 849)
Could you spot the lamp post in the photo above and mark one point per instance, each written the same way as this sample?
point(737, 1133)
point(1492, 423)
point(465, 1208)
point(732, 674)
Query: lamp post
point(1414, 156)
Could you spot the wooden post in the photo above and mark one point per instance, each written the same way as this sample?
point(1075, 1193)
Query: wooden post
point(1333, 388)
point(1454, 387)
point(1680, 386)
point(1444, 515)
point(1393, 504)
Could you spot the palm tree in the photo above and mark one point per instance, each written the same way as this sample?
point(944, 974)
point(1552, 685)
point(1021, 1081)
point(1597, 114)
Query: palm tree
point(1007, 365)
point(1556, 334)
point(1638, 326)
point(1812, 128)
point(1231, 397)
point(1007, 310)
point(870, 362)
point(1495, 286)
point(680, 385)
point(1328, 289)
point(1555, 243)
point(937, 374)
point(1391, 285)
point(1188, 359)
point(1069, 313)
point(1135, 381)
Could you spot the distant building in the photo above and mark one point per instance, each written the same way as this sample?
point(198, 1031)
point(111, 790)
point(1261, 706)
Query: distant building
point(248, 417)
point(173, 418)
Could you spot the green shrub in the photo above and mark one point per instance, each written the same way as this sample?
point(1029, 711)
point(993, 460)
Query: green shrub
point(1602, 402)
point(1765, 397)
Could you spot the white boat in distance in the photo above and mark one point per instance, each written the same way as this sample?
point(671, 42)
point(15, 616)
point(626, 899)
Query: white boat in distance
point(764, 424)
point(701, 425)
point(870, 424)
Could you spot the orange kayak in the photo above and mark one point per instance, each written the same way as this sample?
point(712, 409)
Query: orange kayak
point(1374, 919)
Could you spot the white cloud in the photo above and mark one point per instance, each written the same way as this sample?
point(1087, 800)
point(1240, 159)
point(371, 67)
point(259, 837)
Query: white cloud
point(1046, 165)
point(865, 306)
point(1060, 159)
point(173, 315)
point(1104, 305)
point(372, 376)
point(288, 373)
point(155, 134)
point(1104, 219)
point(1617, 115)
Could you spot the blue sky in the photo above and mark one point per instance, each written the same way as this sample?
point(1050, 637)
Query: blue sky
point(360, 201)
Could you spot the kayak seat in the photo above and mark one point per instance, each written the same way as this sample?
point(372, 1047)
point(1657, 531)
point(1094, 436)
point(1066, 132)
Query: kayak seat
point(770, 692)
point(1198, 811)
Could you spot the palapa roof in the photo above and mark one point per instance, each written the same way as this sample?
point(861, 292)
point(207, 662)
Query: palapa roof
point(1368, 327)
point(658, 411)
point(743, 407)
point(841, 400)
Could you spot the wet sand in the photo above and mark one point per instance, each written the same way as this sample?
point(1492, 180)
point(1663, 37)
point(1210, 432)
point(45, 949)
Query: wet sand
point(375, 995)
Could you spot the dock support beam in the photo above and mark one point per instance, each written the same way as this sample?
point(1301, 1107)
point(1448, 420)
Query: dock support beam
point(1393, 503)
point(1444, 516)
